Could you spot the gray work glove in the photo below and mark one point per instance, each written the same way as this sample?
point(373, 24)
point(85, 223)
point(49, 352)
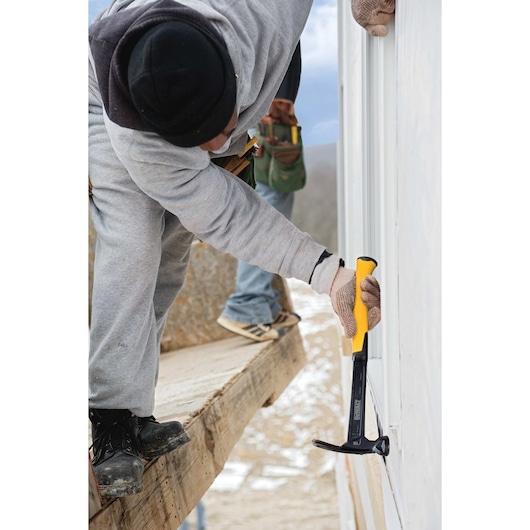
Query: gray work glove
point(339, 283)
point(373, 15)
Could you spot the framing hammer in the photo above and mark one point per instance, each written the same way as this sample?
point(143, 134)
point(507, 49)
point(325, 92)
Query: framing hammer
point(357, 443)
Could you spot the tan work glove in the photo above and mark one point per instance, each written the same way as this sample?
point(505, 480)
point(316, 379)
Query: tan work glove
point(339, 283)
point(373, 15)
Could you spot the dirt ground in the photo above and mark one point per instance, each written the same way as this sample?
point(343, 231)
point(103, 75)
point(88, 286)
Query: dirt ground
point(275, 478)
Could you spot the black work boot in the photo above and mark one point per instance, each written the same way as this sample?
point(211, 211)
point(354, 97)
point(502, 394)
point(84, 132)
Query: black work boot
point(159, 438)
point(117, 460)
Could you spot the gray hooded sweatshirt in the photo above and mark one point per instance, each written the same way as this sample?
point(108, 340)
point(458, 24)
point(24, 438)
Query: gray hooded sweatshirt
point(210, 202)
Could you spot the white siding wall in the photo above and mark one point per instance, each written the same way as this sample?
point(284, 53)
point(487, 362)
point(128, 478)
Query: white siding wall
point(389, 208)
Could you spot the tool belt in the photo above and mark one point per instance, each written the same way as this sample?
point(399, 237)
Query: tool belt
point(242, 164)
point(279, 161)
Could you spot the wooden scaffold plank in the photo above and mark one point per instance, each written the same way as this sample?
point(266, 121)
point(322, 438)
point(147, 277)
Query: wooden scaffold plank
point(214, 389)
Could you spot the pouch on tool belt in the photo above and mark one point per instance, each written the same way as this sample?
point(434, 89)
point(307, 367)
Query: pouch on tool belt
point(279, 162)
point(246, 174)
point(241, 165)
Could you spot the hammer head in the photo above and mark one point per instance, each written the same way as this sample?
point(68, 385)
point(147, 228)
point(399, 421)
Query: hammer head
point(360, 446)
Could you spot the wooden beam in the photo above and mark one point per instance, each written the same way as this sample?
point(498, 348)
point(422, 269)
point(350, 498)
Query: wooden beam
point(94, 498)
point(214, 389)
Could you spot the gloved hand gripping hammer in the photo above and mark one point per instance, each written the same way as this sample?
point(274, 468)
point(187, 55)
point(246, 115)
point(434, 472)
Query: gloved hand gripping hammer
point(357, 443)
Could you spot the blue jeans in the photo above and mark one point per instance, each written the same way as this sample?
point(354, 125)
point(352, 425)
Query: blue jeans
point(255, 301)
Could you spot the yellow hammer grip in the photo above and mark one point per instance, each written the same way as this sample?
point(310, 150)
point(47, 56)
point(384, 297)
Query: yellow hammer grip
point(365, 266)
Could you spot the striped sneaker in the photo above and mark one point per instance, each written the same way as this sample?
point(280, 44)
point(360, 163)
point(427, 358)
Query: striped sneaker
point(257, 332)
point(286, 319)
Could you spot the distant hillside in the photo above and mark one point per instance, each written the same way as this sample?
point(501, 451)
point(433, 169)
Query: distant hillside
point(315, 206)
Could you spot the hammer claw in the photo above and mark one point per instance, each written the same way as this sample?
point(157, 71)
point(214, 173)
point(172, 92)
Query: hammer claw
point(364, 446)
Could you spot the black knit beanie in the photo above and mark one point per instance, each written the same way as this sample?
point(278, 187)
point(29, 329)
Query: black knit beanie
point(182, 82)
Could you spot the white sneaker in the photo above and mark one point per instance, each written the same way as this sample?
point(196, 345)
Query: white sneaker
point(257, 332)
point(285, 319)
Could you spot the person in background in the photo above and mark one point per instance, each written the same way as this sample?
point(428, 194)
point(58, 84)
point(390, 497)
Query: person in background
point(254, 309)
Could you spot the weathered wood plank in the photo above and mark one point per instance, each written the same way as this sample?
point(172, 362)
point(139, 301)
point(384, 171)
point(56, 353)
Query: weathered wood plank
point(214, 390)
point(94, 498)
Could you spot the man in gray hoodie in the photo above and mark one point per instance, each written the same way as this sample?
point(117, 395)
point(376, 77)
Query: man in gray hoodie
point(173, 87)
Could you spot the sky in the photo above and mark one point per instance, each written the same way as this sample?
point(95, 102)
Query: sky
point(317, 102)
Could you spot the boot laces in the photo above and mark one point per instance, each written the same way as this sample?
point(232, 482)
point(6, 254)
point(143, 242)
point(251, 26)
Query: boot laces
point(111, 437)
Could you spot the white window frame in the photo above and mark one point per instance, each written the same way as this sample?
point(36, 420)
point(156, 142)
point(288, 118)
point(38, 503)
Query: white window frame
point(368, 201)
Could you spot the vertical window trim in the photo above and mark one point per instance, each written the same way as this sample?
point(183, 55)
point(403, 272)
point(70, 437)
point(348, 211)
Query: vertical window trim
point(380, 234)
